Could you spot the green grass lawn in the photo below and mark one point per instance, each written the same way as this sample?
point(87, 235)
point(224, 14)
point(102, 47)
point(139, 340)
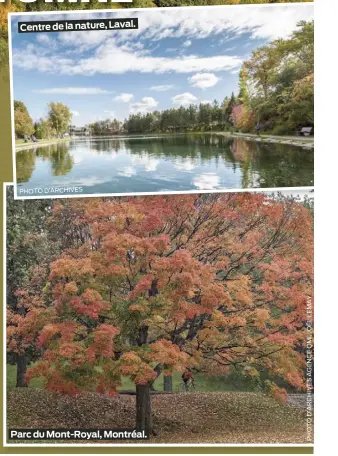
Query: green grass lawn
point(11, 378)
point(21, 142)
point(203, 382)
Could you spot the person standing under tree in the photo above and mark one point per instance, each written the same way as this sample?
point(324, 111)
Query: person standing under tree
point(187, 379)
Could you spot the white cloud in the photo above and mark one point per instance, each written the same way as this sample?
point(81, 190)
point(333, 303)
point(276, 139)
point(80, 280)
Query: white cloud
point(110, 113)
point(162, 88)
point(187, 43)
point(74, 91)
point(113, 52)
point(267, 22)
point(131, 62)
point(184, 99)
point(132, 46)
point(146, 104)
point(122, 62)
point(203, 80)
point(75, 113)
point(82, 41)
point(43, 38)
point(124, 97)
point(206, 102)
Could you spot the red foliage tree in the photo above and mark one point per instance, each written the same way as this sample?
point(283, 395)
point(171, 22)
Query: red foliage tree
point(168, 283)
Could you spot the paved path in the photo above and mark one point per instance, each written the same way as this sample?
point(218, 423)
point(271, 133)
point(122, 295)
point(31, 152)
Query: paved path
point(297, 400)
point(301, 141)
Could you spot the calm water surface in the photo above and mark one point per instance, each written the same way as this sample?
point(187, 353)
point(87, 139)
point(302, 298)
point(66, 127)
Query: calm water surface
point(161, 163)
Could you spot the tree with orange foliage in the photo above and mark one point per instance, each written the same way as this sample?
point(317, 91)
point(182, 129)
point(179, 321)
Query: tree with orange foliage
point(168, 283)
point(28, 254)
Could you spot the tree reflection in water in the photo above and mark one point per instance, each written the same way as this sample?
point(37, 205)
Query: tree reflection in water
point(255, 164)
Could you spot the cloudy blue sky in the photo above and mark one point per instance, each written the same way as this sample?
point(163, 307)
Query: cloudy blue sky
point(176, 57)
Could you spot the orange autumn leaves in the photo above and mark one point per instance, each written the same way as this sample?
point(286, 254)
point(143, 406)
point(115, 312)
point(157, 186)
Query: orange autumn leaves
point(204, 281)
point(73, 363)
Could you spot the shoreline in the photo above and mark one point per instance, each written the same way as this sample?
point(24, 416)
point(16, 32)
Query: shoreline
point(298, 141)
point(28, 146)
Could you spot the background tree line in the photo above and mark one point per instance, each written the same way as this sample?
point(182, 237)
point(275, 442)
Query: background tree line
point(202, 117)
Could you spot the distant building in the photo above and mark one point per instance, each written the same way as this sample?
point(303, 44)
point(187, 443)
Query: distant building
point(79, 131)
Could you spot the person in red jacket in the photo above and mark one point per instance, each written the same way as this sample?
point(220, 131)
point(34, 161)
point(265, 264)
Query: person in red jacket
point(187, 379)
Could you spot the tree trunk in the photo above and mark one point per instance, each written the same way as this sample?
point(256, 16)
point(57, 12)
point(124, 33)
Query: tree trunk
point(158, 370)
point(143, 409)
point(21, 367)
point(168, 383)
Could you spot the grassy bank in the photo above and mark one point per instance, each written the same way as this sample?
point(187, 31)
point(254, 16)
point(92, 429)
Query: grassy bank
point(21, 144)
point(203, 382)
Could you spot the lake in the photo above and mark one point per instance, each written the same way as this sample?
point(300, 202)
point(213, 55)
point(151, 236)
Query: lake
point(161, 164)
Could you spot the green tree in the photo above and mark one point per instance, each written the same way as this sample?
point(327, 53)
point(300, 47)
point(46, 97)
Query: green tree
point(229, 107)
point(276, 82)
point(243, 95)
point(60, 117)
point(44, 129)
point(22, 120)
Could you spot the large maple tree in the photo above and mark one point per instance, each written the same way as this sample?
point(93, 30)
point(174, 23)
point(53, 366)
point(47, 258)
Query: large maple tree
point(165, 283)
